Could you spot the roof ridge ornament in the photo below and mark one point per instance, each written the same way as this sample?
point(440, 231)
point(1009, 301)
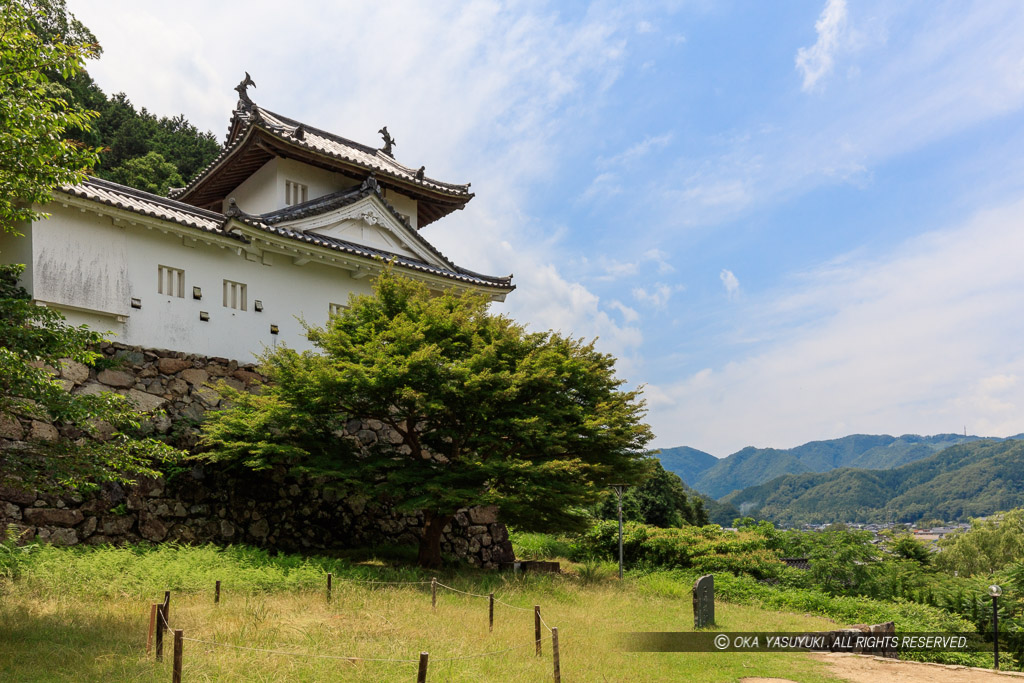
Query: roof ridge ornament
point(419, 172)
point(370, 184)
point(244, 102)
point(389, 142)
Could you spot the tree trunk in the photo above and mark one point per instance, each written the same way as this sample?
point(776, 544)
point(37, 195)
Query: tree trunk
point(430, 545)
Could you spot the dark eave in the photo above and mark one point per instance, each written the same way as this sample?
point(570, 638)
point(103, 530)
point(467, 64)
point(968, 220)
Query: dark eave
point(259, 135)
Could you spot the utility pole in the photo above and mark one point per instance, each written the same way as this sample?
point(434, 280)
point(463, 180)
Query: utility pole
point(618, 491)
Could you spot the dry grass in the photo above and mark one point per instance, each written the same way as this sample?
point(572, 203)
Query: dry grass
point(50, 634)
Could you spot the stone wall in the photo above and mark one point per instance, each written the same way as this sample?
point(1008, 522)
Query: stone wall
point(214, 503)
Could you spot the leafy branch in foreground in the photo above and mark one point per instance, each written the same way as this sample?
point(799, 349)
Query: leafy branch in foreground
point(484, 412)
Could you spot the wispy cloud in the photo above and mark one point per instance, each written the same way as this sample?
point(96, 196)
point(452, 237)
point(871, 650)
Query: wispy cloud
point(731, 284)
point(816, 62)
point(921, 341)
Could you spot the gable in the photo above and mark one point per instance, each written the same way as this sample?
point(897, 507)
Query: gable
point(368, 222)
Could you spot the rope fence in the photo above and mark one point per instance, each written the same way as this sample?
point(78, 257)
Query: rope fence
point(160, 622)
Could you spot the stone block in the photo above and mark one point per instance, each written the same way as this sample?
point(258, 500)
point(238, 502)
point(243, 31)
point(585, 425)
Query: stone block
point(145, 401)
point(10, 427)
point(170, 366)
point(152, 529)
point(115, 378)
point(88, 527)
point(484, 514)
point(194, 376)
point(208, 396)
point(41, 431)
point(259, 529)
point(117, 525)
point(64, 537)
point(74, 371)
point(53, 516)
point(10, 511)
point(247, 376)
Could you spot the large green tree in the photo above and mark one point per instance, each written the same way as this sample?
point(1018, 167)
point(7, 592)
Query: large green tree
point(38, 152)
point(483, 411)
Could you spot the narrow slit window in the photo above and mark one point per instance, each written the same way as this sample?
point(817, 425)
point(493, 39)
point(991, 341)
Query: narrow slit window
point(295, 193)
point(170, 281)
point(234, 295)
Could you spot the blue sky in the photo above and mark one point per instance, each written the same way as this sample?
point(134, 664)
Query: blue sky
point(789, 221)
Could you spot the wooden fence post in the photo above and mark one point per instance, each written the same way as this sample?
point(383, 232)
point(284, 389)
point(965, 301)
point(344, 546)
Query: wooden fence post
point(167, 608)
point(178, 647)
point(536, 627)
point(554, 649)
point(490, 613)
point(152, 625)
point(216, 593)
point(433, 593)
point(329, 580)
point(421, 675)
point(160, 632)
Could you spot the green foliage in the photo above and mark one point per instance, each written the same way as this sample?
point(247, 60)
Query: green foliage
point(708, 549)
point(659, 501)
point(98, 428)
point(151, 173)
point(539, 546)
point(130, 136)
point(36, 155)
point(989, 546)
point(35, 114)
point(535, 423)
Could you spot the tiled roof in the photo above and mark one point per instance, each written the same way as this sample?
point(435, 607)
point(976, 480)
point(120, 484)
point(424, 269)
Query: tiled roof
point(290, 137)
point(340, 147)
point(337, 200)
point(145, 203)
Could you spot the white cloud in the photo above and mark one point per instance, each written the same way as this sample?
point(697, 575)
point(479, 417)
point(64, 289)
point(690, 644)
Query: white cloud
point(926, 340)
point(731, 284)
point(656, 296)
point(816, 62)
point(630, 315)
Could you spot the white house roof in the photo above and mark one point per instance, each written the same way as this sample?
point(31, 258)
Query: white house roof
point(137, 201)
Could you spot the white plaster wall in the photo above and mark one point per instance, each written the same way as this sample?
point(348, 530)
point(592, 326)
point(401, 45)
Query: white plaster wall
point(287, 291)
point(404, 205)
point(259, 193)
point(84, 261)
point(79, 260)
point(264, 190)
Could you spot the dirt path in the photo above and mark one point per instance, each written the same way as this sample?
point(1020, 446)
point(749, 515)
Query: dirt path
point(859, 669)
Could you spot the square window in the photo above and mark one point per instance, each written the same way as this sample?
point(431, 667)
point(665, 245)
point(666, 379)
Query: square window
point(336, 309)
point(170, 281)
point(234, 295)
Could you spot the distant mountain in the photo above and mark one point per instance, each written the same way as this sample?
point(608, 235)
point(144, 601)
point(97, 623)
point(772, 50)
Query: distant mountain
point(687, 462)
point(967, 480)
point(753, 466)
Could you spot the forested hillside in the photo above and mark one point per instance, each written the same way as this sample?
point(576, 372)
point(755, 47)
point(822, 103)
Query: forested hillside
point(753, 466)
point(139, 149)
point(968, 480)
point(688, 463)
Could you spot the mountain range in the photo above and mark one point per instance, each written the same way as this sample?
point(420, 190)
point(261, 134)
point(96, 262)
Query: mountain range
point(862, 477)
point(968, 480)
point(752, 466)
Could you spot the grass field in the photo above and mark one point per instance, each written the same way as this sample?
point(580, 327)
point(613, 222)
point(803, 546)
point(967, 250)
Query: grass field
point(82, 615)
